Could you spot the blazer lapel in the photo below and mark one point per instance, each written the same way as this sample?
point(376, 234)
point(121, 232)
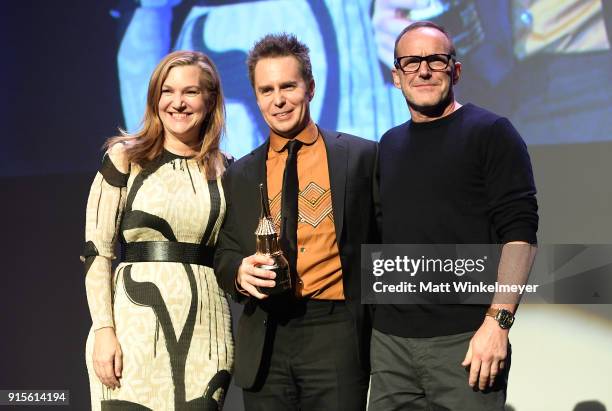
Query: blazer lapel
point(337, 161)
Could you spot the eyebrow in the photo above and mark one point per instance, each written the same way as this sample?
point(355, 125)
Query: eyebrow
point(427, 55)
point(264, 88)
point(267, 87)
point(197, 87)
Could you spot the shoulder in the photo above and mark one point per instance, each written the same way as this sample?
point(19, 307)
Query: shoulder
point(228, 159)
point(495, 134)
point(389, 135)
point(118, 155)
point(249, 161)
point(353, 141)
point(399, 129)
point(498, 126)
point(483, 127)
point(115, 167)
point(480, 116)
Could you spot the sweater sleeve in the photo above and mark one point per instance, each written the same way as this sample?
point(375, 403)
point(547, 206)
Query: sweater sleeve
point(105, 206)
point(511, 192)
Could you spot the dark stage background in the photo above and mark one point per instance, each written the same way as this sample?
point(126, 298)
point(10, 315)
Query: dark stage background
point(61, 99)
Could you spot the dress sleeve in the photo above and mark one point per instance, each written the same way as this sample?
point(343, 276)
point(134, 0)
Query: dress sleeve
point(105, 206)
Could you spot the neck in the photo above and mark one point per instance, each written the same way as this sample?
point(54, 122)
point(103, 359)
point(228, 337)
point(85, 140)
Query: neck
point(294, 133)
point(425, 114)
point(183, 147)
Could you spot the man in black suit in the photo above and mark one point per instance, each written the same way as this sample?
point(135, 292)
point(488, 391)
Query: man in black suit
point(306, 349)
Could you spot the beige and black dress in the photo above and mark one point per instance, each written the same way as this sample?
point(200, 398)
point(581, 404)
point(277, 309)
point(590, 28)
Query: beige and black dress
point(170, 317)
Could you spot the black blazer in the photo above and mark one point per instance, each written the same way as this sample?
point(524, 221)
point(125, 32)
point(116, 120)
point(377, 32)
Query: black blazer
point(352, 163)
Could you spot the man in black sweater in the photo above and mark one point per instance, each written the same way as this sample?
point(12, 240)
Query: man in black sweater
point(453, 174)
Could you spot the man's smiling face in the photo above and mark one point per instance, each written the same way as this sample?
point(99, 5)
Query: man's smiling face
point(283, 96)
point(426, 90)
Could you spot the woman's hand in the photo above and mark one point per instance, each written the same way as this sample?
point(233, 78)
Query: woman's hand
point(107, 357)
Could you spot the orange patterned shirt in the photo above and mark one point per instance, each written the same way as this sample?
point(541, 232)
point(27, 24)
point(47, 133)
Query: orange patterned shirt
point(318, 258)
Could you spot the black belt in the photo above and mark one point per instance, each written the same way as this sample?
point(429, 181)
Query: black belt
point(168, 251)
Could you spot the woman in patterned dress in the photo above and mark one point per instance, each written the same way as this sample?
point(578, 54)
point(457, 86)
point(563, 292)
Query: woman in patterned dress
point(161, 337)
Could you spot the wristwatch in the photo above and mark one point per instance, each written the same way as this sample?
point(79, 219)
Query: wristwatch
point(504, 318)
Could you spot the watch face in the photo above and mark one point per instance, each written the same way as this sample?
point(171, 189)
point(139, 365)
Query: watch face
point(505, 319)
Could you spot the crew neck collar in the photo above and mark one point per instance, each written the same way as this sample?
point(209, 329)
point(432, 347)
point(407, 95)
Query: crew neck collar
point(423, 125)
point(170, 154)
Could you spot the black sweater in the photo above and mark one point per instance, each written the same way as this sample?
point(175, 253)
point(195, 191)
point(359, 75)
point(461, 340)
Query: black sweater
point(463, 179)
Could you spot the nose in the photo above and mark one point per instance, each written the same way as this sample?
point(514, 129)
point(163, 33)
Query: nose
point(424, 70)
point(177, 101)
point(279, 99)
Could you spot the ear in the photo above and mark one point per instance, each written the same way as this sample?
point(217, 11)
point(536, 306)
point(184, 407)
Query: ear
point(456, 72)
point(311, 90)
point(396, 78)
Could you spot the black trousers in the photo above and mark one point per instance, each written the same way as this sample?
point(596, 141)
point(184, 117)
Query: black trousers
point(311, 361)
point(425, 374)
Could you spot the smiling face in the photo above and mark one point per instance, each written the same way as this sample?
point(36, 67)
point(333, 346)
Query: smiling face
point(183, 104)
point(427, 92)
point(283, 96)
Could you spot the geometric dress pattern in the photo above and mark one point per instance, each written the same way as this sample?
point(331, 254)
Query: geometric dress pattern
point(171, 319)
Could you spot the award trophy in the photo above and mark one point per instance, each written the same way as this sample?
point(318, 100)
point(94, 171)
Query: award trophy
point(267, 244)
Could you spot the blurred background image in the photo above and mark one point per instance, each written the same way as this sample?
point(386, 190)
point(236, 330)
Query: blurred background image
point(546, 64)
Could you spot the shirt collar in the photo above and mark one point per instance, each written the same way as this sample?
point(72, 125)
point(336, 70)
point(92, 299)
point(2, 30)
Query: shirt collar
point(307, 137)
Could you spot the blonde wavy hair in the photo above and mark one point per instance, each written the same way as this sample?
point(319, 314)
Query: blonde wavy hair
point(147, 144)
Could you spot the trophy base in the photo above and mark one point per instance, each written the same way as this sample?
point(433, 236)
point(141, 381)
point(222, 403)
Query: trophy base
point(282, 280)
